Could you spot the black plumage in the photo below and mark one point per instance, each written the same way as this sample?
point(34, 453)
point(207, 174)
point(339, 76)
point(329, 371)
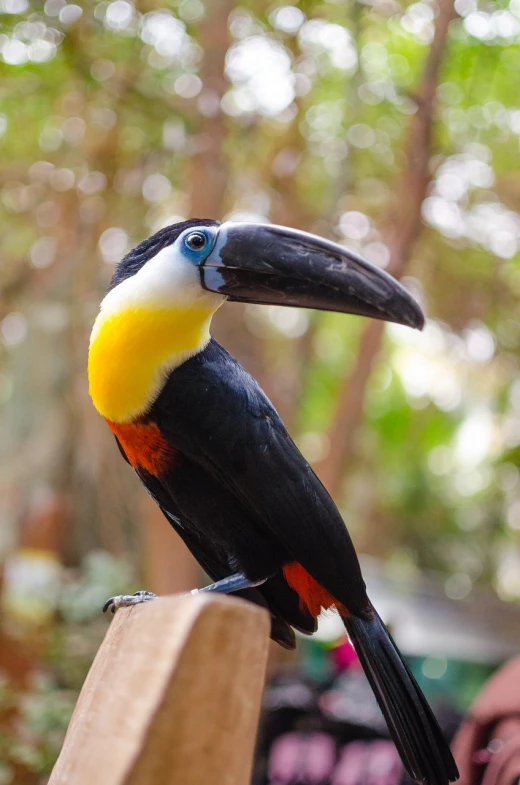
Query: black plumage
point(242, 482)
point(244, 499)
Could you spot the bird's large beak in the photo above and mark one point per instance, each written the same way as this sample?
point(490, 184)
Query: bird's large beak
point(262, 263)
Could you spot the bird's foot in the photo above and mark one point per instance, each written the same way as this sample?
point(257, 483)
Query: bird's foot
point(126, 600)
point(228, 585)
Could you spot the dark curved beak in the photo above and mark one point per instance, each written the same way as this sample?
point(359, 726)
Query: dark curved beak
point(263, 263)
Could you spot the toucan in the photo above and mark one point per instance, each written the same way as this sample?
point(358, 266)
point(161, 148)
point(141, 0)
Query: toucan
point(212, 451)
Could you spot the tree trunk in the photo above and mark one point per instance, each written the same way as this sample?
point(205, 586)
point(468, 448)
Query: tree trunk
point(168, 565)
point(400, 230)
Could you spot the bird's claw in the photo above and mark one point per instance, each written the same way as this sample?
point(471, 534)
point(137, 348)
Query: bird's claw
point(126, 600)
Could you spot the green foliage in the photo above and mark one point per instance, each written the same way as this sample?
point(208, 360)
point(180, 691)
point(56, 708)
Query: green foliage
point(107, 108)
point(34, 715)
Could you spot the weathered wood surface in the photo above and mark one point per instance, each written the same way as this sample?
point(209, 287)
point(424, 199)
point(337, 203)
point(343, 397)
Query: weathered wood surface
point(172, 698)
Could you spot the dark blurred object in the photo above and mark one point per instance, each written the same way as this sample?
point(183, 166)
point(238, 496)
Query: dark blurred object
point(487, 746)
point(306, 737)
point(329, 730)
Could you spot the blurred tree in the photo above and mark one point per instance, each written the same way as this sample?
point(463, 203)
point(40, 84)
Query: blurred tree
point(388, 125)
point(392, 127)
point(399, 231)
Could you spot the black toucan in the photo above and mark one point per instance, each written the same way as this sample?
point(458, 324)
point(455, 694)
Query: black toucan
point(212, 451)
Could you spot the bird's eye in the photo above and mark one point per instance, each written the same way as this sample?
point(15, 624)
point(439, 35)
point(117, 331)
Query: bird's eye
point(196, 241)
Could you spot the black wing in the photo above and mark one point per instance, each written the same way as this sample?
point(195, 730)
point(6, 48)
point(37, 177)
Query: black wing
point(216, 567)
point(217, 416)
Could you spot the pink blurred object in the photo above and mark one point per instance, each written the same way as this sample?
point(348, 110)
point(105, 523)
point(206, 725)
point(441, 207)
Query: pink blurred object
point(301, 757)
point(344, 656)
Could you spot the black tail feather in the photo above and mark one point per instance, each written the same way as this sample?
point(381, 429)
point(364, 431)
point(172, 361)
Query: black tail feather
point(412, 725)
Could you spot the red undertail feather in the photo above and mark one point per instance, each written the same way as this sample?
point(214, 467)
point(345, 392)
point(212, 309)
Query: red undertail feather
point(313, 597)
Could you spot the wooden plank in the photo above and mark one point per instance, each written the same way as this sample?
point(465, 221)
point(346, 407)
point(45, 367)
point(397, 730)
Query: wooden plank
point(172, 697)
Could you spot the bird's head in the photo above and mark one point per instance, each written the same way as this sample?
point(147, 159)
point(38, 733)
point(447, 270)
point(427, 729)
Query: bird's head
point(260, 263)
point(163, 294)
point(164, 268)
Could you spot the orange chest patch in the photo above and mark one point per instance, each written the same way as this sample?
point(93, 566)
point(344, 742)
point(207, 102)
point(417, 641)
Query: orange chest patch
point(144, 446)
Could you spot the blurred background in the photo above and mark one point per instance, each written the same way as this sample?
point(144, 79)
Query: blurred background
point(389, 126)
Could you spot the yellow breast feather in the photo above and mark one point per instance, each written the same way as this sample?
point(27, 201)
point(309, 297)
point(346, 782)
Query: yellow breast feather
point(132, 350)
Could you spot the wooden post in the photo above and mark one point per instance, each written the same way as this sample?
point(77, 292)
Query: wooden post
point(172, 698)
